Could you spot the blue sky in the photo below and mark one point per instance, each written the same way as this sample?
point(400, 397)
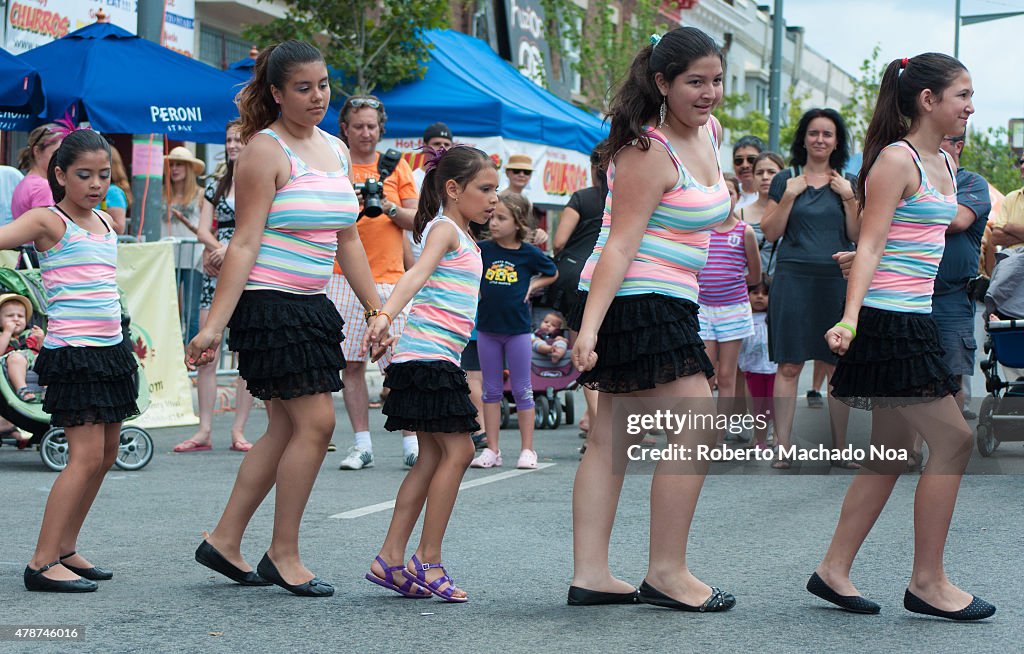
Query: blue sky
point(847, 31)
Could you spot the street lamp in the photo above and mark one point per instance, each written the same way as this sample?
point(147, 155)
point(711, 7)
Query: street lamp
point(972, 20)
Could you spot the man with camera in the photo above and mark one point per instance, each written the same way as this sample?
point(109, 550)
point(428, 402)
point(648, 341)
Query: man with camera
point(387, 203)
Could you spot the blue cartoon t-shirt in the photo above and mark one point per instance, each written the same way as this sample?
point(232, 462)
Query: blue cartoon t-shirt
point(504, 284)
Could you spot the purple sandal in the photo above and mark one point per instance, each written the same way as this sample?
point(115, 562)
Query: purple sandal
point(409, 589)
point(420, 580)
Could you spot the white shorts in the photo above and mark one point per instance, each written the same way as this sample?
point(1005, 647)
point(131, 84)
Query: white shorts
point(351, 311)
point(726, 323)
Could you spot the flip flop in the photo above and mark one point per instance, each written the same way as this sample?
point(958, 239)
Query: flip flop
point(408, 589)
point(190, 445)
point(241, 446)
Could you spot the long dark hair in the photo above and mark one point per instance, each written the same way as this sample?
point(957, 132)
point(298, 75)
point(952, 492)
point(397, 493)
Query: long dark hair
point(638, 99)
point(896, 108)
point(74, 145)
point(274, 64)
point(224, 184)
point(461, 164)
point(839, 157)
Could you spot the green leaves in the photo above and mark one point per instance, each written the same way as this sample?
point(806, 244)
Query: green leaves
point(374, 44)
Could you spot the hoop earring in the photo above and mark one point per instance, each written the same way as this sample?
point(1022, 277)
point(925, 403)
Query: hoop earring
point(661, 113)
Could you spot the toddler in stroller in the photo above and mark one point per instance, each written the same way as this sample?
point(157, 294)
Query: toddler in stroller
point(20, 345)
point(551, 372)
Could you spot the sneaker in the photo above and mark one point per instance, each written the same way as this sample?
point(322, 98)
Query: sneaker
point(527, 460)
point(487, 459)
point(814, 400)
point(357, 459)
point(969, 414)
point(331, 447)
point(410, 458)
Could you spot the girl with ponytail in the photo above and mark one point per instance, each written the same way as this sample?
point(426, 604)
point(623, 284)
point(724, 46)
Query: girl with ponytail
point(429, 392)
point(890, 350)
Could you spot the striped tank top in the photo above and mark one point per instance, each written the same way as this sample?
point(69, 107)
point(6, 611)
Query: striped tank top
point(674, 246)
point(79, 275)
point(905, 278)
point(723, 280)
point(444, 310)
point(301, 236)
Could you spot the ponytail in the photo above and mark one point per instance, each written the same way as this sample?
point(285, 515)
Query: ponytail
point(429, 204)
point(256, 106)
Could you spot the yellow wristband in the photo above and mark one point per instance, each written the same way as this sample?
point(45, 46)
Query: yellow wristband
point(847, 326)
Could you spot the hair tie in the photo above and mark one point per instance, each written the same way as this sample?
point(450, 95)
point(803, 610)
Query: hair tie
point(432, 157)
point(904, 62)
point(655, 39)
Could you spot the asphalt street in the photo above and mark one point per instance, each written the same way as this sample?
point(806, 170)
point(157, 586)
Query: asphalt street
point(758, 533)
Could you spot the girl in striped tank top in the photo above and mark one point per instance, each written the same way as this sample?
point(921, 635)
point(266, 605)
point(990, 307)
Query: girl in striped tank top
point(86, 362)
point(429, 392)
point(295, 212)
point(890, 353)
point(637, 324)
point(725, 315)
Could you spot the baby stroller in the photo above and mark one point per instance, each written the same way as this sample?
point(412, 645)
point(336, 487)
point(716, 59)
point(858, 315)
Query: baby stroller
point(552, 404)
point(1001, 417)
point(136, 448)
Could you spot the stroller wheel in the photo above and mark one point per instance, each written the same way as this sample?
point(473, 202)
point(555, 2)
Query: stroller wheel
point(53, 449)
point(135, 450)
point(505, 412)
point(986, 435)
point(570, 407)
point(555, 414)
point(541, 409)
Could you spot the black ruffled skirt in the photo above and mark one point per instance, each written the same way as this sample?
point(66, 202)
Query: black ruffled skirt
point(98, 385)
point(288, 345)
point(428, 396)
point(645, 340)
point(896, 360)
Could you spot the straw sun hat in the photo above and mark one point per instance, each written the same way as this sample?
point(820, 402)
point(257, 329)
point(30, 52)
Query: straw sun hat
point(181, 153)
point(7, 297)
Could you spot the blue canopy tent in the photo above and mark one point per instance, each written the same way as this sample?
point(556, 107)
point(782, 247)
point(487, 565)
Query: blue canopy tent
point(477, 93)
point(242, 69)
point(123, 84)
point(21, 93)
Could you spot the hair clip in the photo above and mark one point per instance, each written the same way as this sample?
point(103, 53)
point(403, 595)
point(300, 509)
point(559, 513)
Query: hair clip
point(655, 39)
point(432, 156)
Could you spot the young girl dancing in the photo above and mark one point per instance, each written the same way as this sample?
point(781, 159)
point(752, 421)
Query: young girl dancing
point(429, 393)
point(891, 356)
point(295, 213)
point(513, 270)
point(86, 361)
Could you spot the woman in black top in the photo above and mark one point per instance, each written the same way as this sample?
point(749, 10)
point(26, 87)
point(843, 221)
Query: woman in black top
point(813, 208)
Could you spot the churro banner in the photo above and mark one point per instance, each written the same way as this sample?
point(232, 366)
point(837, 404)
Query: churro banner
point(145, 274)
point(557, 172)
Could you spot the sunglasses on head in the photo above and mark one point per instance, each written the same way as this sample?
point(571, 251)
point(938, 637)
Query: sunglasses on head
point(517, 171)
point(364, 102)
point(750, 159)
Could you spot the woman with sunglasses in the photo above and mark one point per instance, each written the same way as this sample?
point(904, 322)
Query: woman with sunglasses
point(744, 156)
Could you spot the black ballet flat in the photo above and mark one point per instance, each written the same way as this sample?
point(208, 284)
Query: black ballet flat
point(93, 573)
point(315, 587)
point(208, 555)
point(583, 597)
point(719, 600)
point(978, 609)
point(34, 580)
point(852, 603)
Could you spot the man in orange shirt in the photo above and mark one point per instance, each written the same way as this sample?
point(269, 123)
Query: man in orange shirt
point(362, 125)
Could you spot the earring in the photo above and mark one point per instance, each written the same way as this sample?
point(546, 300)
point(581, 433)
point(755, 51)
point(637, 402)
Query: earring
point(661, 113)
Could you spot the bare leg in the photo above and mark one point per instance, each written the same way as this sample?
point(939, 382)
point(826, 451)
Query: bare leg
point(711, 347)
point(256, 476)
point(356, 395)
point(674, 492)
point(206, 385)
point(838, 412)
point(595, 497)
point(728, 356)
point(492, 424)
point(69, 540)
point(819, 373)
point(456, 453)
point(85, 463)
point(243, 407)
point(312, 419)
point(786, 380)
point(412, 494)
point(17, 370)
point(476, 391)
point(590, 397)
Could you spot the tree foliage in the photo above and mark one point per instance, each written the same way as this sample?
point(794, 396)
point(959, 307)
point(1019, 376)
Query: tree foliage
point(988, 153)
point(859, 109)
point(373, 43)
point(756, 123)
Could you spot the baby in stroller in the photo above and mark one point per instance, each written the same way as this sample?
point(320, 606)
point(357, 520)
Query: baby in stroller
point(549, 343)
point(20, 346)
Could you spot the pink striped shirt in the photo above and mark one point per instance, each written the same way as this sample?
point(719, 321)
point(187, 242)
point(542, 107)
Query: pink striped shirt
point(723, 280)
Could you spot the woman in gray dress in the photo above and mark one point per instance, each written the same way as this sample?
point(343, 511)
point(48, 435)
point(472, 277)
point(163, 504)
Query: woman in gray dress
point(813, 208)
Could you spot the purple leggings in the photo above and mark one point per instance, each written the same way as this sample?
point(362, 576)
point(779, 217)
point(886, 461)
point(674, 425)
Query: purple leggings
point(494, 351)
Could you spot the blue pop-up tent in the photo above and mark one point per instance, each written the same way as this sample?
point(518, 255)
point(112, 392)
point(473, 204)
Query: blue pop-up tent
point(477, 93)
point(21, 93)
point(123, 84)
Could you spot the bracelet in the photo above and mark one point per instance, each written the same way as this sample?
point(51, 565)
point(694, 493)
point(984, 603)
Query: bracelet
point(852, 197)
point(368, 314)
point(848, 327)
point(387, 315)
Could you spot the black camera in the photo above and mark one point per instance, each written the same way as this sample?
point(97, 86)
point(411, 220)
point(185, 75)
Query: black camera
point(373, 188)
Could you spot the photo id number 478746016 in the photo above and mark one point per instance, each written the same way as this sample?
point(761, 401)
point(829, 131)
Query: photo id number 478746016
point(41, 632)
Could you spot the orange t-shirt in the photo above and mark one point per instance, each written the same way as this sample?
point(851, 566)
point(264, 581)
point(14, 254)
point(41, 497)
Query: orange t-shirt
point(381, 237)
